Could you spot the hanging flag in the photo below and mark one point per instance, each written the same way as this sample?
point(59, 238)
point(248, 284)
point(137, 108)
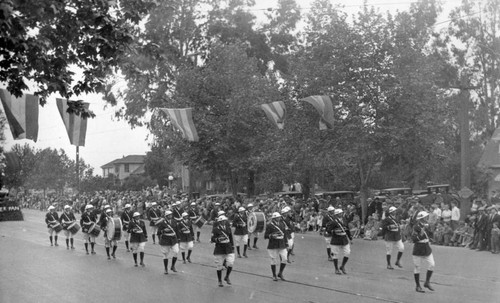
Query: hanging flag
point(183, 120)
point(323, 105)
point(22, 114)
point(76, 126)
point(276, 112)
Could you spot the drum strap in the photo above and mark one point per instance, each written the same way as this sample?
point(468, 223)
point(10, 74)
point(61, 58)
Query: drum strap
point(67, 217)
point(278, 228)
point(222, 231)
point(395, 223)
point(169, 226)
point(340, 224)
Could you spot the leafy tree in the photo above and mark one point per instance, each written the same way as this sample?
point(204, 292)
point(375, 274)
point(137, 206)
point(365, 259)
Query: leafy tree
point(159, 164)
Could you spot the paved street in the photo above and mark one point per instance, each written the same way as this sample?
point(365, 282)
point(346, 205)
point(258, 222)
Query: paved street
point(33, 271)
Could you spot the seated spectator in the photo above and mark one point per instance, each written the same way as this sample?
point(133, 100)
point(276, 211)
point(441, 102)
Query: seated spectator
point(372, 228)
point(438, 234)
point(495, 238)
point(355, 226)
point(447, 233)
point(303, 226)
point(468, 236)
point(457, 238)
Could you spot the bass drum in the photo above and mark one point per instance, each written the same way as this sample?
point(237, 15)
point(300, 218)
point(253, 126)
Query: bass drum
point(256, 222)
point(114, 232)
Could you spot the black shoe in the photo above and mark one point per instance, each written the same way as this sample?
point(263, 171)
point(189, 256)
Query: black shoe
point(113, 255)
point(275, 278)
point(173, 269)
point(184, 262)
point(399, 265)
point(109, 258)
point(288, 261)
point(220, 284)
point(337, 272)
point(342, 269)
point(390, 267)
point(245, 255)
point(428, 286)
point(72, 247)
point(142, 264)
point(166, 272)
point(87, 253)
point(249, 248)
point(93, 252)
point(56, 244)
point(67, 247)
point(189, 260)
point(227, 280)
point(239, 256)
point(135, 265)
point(255, 247)
point(419, 289)
point(281, 277)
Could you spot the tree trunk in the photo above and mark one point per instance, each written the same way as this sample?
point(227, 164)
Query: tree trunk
point(251, 183)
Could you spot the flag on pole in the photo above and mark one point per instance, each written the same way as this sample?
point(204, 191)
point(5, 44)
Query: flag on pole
point(183, 120)
point(323, 105)
point(276, 112)
point(22, 114)
point(76, 126)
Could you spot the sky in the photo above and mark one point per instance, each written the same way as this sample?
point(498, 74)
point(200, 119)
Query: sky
point(109, 139)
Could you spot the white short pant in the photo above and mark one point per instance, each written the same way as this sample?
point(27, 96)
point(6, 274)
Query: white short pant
point(291, 241)
point(219, 260)
point(52, 231)
point(345, 249)
point(186, 245)
point(240, 238)
point(137, 247)
point(389, 246)
point(108, 243)
point(154, 229)
point(417, 261)
point(88, 238)
point(276, 253)
point(68, 234)
point(328, 241)
point(169, 251)
point(126, 235)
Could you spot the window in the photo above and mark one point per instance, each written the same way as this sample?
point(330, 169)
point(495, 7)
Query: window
point(127, 168)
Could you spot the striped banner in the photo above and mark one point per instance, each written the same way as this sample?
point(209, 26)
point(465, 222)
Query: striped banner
point(183, 120)
point(276, 112)
point(323, 105)
point(76, 126)
point(22, 115)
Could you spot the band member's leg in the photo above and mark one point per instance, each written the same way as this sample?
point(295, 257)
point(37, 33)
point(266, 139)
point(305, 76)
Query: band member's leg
point(190, 246)
point(229, 262)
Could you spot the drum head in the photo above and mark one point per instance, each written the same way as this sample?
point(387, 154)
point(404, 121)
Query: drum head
point(110, 234)
point(252, 222)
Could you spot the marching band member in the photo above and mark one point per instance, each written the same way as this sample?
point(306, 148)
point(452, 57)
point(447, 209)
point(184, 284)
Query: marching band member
point(286, 213)
point(186, 237)
point(391, 232)
point(52, 221)
point(241, 231)
point(126, 217)
point(422, 251)
point(168, 238)
point(327, 220)
point(255, 233)
point(341, 240)
point(108, 216)
point(194, 215)
point(138, 237)
point(275, 232)
point(154, 214)
point(68, 218)
point(224, 248)
point(87, 220)
point(176, 212)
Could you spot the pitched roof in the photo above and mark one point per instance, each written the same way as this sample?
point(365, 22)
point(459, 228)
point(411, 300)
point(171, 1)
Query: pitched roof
point(491, 154)
point(131, 159)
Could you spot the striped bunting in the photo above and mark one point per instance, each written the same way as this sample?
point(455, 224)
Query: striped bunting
point(76, 126)
point(276, 112)
point(22, 115)
point(183, 120)
point(323, 105)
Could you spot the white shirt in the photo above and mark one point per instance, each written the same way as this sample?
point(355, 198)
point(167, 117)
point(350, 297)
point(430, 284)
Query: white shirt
point(437, 211)
point(455, 213)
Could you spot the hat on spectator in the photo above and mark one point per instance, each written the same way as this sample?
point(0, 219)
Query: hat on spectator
point(241, 208)
point(392, 209)
point(276, 215)
point(338, 211)
point(422, 215)
point(128, 205)
point(221, 218)
point(285, 209)
point(168, 212)
point(66, 206)
point(136, 214)
point(330, 208)
point(51, 207)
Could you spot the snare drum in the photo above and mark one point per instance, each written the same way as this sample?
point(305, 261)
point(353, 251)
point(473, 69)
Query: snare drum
point(200, 222)
point(114, 232)
point(256, 222)
point(74, 228)
point(57, 227)
point(95, 230)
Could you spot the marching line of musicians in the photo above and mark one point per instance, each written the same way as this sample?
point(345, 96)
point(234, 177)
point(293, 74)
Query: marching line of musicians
point(176, 229)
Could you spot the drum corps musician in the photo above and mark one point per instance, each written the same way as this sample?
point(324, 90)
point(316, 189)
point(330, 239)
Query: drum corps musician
point(138, 237)
point(287, 215)
point(87, 220)
point(276, 248)
point(327, 220)
point(108, 215)
point(154, 214)
point(241, 231)
point(194, 215)
point(250, 209)
point(341, 240)
point(224, 248)
point(126, 217)
point(168, 238)
point(68, 218)
point(186, 239)
point(53, 225)
point(392, 236)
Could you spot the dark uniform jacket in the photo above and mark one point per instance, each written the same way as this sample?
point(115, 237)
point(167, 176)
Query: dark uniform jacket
point(51, 219)
point(421, 241)
point(276, 233)
point(186, 233)
point(240, 224)
point(87, 220)
point(290, 226)
point(67, 219)
point(391, 230)
point(154, 215)
point(126, 217)
point(138, 232)
point(223, 239)
point(176, 213)
point(339, 231)
point(168, 233)
point(327, 220)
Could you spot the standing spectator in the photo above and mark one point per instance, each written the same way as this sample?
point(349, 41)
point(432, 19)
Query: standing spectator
point(455, 215)
point(495, 238)
point(493, 217)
